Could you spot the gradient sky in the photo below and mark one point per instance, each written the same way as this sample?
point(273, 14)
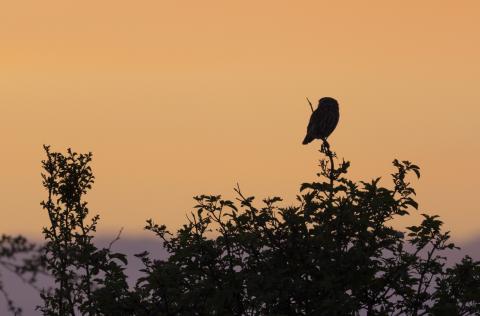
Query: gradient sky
point(179, 98)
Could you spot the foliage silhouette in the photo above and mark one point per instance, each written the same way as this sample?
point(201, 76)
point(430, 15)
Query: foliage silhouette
point(90, 281)
point(335, 252)
point(22, 258)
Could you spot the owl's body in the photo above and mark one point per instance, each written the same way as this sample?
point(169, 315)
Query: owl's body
point(323, 120)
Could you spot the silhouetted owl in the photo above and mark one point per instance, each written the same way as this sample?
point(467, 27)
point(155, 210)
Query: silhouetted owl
point(323, 120)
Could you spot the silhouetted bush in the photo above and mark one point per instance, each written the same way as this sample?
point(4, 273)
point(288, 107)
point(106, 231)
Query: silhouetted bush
point(334, 252)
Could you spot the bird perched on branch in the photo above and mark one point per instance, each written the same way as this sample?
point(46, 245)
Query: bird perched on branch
point(323, 120)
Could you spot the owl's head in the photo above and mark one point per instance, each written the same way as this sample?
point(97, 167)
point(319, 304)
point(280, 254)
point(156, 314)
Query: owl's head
point(327, 101)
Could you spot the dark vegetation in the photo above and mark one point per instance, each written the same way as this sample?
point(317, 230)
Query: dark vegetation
point(334, 252)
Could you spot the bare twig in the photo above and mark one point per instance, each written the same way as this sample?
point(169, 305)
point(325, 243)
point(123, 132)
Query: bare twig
point(311, 106)
point(26, 281)
point(116, 239)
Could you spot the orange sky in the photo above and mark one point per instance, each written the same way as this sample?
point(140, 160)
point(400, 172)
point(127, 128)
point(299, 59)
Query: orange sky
point(178, 98)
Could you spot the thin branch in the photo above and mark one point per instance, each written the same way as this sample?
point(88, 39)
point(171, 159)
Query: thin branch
point(11, 268)
point(311, 106)
point(116, 239)
point(326, 150)
point(10, 304)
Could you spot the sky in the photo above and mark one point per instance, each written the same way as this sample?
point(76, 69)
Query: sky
point(180, 98)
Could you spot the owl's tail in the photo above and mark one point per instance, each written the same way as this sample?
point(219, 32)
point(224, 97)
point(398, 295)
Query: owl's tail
point(308, 139)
